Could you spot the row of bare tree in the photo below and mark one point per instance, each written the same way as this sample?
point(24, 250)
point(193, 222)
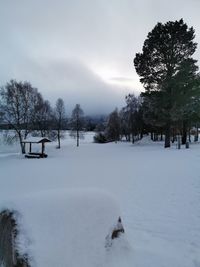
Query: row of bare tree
point(23, 109)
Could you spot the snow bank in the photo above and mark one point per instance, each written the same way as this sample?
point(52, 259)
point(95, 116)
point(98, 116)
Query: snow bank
point(146, 140)
point(68, 228)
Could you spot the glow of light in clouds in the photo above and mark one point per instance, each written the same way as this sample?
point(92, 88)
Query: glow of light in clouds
point(111, 75)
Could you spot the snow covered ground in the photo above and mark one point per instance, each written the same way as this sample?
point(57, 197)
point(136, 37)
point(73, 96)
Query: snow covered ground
point(158, 191)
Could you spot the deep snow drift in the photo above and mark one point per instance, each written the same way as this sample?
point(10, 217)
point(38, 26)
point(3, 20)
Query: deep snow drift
point(68, 228)
point(158, 191)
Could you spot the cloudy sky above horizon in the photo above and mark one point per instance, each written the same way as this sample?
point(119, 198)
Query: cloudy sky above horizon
point(83, 50)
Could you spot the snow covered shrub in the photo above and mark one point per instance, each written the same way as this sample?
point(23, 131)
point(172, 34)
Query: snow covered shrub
point(100, 138)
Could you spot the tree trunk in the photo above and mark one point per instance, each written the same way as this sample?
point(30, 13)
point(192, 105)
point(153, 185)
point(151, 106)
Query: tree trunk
point(161, 136)
point(43, 148)
point(133, 139)
point(58, 138)
point(184, 134)
point(189, 135)
point(155, 137)
point(152, 136)
point(77, 137)
point(196, 137)
point(173, 136)
point(22, 145)
point(167, 135)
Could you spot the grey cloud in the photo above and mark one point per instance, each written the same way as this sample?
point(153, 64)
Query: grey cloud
point(74, 82)
point(60, 45)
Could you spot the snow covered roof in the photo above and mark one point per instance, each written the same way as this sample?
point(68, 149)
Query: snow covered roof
point(65, 227)
point(36, 140)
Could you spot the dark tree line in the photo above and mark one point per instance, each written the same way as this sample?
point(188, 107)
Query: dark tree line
point(170, 105)
point(124, 124)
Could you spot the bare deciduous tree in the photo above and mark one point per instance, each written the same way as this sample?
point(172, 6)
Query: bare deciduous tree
point(59, 118)
point(17, 105)
point(113, 126)
point(43, 116)
point(77, 123)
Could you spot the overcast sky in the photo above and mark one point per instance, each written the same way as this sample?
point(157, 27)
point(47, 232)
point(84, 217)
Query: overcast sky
point(83, 50)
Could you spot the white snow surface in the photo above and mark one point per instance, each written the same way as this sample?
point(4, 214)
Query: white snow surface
point(158, 191)
point(66, 227)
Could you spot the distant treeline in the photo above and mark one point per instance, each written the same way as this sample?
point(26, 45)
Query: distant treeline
point(91, 123)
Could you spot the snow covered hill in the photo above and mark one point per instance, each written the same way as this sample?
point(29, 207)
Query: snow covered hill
point(158, 191)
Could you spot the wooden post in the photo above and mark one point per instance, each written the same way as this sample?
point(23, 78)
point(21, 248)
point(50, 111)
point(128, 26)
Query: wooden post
point(30, 147)
point(23, 147)
point(43, 147)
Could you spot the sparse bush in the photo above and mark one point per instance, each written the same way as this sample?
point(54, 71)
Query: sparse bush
point(100, 138)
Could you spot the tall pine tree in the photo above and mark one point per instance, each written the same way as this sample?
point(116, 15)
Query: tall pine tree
point(165, 51)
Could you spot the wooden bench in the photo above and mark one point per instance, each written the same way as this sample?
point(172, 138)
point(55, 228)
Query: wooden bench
point(36, 155)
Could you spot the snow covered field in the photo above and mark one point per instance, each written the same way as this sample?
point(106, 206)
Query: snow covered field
point(158, 191)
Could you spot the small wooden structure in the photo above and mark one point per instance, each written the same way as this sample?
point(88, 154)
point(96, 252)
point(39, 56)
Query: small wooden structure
point(36, 140)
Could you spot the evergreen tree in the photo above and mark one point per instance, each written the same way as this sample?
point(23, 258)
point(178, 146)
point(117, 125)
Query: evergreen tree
point(186, 96)
point(165, 51)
